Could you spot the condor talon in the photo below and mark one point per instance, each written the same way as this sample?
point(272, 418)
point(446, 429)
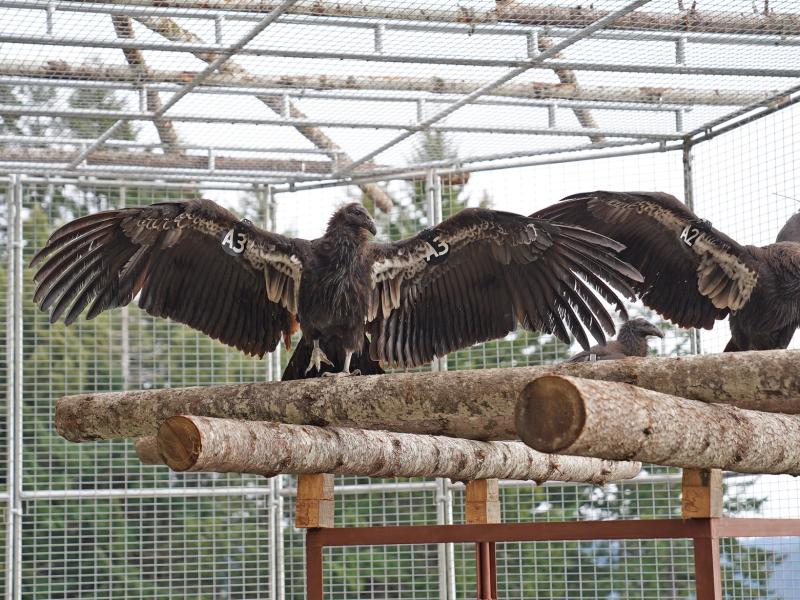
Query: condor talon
point(317, 358)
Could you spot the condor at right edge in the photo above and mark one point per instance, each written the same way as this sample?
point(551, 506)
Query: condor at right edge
point(693, 273)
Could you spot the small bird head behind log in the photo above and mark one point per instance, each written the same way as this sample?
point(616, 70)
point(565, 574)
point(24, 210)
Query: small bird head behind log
point(474, 277)
point(693, 273)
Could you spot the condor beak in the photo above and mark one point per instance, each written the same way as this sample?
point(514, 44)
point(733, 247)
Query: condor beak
point(657, 332)
point(371, 228)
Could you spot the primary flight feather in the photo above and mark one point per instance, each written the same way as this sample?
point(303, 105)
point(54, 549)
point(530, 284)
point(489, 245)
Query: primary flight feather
point(693, 273)
point(472, 278)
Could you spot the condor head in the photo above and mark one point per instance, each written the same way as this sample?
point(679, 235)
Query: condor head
point(352, 216)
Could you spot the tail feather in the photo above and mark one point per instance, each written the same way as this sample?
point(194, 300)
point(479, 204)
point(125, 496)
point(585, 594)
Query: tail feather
point(298, 363)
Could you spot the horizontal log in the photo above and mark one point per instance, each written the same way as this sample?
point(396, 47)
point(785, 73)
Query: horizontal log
point(529, 13)
point(146, 449)
point(536, 90)
point(189, 443)
point(619, 421)
point(475, 404)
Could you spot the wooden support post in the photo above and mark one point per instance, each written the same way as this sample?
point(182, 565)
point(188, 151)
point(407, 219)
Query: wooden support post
point(702, 500)
point(702, 493)
point(707, 570)
point(314, 505)
point(482, 506)
point(482, 502)
point(314, 566)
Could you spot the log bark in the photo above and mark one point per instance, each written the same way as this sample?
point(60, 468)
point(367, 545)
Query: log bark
point(168, 161)
point(58, 69)
point(468, 404)
point(173, 31)
point(529, 13)
point(190, 443)
point(619, 421)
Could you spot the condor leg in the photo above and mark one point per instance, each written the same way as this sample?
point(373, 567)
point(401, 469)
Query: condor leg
point(346, 369)
point(317, 358)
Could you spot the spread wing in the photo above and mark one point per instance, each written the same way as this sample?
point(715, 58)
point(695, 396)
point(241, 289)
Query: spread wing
point(476, 275)
point(193, 261)
point(693, 273)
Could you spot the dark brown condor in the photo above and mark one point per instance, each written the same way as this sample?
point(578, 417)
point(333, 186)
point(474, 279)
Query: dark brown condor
point(473, 277)
point(631, 341)
point(693, 273)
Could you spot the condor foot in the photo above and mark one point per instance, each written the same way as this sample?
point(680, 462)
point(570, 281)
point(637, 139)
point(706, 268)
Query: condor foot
point(342, 374)
point(317, 358)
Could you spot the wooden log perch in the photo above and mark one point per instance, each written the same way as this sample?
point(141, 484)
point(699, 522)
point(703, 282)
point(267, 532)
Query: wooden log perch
point(530, 13)
point(623, 422)
point(54, 70)
point(146, 449)
point(189, 443)
point(467, 404)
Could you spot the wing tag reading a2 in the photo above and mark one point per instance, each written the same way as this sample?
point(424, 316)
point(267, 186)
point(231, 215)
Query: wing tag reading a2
point(437, 248)
point(689, 235)
point(235, 241)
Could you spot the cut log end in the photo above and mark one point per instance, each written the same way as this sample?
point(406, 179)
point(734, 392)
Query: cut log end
point(550, 414)
point(179, 443)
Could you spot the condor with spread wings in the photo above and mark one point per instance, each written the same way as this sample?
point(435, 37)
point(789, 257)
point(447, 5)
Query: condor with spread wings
point(471, 278)
point(693, 273)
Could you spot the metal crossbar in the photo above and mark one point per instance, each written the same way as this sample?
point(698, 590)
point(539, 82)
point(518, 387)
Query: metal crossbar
point(537, 60)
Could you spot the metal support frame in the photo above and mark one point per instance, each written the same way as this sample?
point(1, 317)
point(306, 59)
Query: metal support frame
point(444, 494)
point(428, 124)
point(688, 198)
point(410, 96)
point(425, 59)
point(223, 57)
point(529, 64)
point(705, 534)
point(14, 344)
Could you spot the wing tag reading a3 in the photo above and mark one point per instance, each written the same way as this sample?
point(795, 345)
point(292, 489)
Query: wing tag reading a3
point(689, 235)
point(437, 248)
point(235, 241)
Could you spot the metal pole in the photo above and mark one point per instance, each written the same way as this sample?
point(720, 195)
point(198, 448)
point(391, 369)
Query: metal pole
point(688, 195)
point(14, 399)
point(197, 80)
point(444, 495)
point(125, 318)
point(278, 573)
point(488, 87)
point(10, 349)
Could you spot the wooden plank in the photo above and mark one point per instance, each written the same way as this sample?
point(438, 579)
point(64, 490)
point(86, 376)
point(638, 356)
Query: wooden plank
point(702, 493)
point(482, 502)
point(315, 503)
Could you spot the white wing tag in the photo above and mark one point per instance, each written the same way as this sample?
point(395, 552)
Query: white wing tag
point(689, 235)
point(437, 248)
point(235, 241)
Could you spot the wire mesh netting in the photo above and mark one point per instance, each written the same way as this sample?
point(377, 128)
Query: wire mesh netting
point(347, 88)
point(425, 106)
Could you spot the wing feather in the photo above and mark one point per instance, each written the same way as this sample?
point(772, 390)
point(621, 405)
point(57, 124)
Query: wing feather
point(172, 253)
point(693, 273)
point(476, 275)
